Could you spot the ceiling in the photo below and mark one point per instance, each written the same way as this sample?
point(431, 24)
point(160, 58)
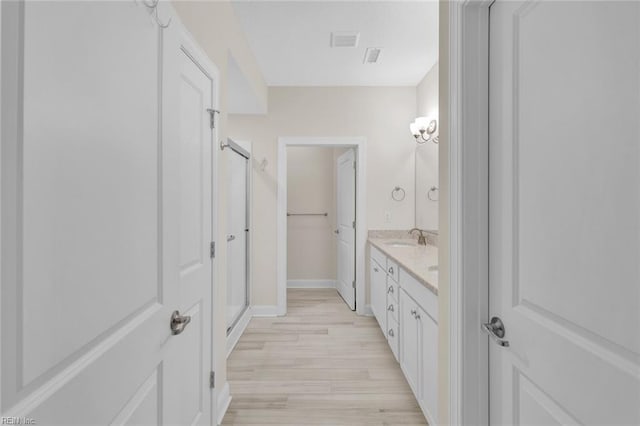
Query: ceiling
point(291, 41)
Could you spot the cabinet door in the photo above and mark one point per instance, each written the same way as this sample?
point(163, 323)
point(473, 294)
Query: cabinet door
point(378, 293)
point(428, 330)
point(409, 341)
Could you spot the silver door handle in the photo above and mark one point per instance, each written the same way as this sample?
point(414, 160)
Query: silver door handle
point(231, 238)
point(179, 322)
point(495, 330)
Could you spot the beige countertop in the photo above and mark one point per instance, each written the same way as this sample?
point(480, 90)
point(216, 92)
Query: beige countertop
point(415, 259)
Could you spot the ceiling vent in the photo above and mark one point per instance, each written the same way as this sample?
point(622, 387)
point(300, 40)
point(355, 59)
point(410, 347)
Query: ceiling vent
point(344, 39)
point(372, 55)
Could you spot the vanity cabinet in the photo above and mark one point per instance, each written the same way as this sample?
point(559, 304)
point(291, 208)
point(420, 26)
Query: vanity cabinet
point(378, 279)
point(407, 313)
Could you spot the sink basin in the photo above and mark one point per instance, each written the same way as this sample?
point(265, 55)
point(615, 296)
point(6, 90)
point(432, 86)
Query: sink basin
point(401, 244)
point(433, 268)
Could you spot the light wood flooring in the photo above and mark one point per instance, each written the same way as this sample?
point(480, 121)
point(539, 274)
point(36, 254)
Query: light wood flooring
point(321, 364)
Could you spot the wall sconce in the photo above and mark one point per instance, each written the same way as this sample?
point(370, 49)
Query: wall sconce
point(424, 129)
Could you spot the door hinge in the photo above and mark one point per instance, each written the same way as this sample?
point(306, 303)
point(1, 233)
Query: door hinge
point(353, 284)
point(212, 249)
point(212, 117)
point(212, 379)
point(354, 165)
point(353, 224)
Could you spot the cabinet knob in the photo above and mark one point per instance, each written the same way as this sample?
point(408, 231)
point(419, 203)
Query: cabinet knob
point(390, 290)
point(391, 269)
point(414, 312)
point(376, 270)
point(391, 332)
point(390, 308)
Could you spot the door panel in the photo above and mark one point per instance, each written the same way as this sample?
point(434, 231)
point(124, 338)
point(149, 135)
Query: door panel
point(409, 341)
point(565, 211)
point(82, 230)
point(346, 216)
point(189, 362)
point(60, 213)
point(428, 364)
point(91, 187)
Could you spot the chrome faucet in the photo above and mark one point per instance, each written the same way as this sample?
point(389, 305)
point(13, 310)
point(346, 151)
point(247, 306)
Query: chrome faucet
point(421, 238)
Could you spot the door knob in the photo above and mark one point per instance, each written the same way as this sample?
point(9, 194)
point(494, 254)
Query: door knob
point(495, 330)
point(179, 322)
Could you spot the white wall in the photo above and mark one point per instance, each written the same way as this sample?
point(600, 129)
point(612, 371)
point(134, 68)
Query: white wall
point(380, 114)
point(427, 154)
point(311, 243)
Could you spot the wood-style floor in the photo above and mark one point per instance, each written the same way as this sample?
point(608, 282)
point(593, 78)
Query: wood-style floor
point(321, 364)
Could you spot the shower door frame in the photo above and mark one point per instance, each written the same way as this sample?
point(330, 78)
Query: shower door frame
point(237, 148)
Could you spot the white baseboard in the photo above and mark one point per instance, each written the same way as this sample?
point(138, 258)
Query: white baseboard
point(264, 310)
point(238, 329)
point(223, 402)
point(311, 284)
point(368, 312)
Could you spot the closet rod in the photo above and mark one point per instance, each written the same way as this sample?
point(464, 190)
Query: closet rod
point(307, 214)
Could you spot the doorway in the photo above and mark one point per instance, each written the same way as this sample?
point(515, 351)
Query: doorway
point(354, 152)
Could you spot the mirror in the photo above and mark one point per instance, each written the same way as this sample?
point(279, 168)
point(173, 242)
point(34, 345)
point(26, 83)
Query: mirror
point(426, 186)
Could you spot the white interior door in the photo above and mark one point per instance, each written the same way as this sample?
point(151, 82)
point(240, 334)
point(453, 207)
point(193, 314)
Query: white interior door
point(346, 230)
point(191, 358)
point(565, 212)
point(96, 254)
point(237, 291)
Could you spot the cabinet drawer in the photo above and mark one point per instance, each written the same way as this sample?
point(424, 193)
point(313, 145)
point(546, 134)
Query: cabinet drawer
point(425, 298)
point(392, 308)
point(379, 258)
point(393, 335)
point(392, 289)
point(393, 270)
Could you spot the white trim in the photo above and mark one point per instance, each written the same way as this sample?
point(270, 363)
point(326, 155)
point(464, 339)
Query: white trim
point(222, 402)
point(264, 310)
point(368, 312)
point(468, 210)
point(191, 48)
point(238, 330)
point(360, 143)
point(311, 283)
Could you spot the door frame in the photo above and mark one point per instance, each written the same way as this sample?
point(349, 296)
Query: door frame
point(464, 110)
point(190, 47)
point(359, 143)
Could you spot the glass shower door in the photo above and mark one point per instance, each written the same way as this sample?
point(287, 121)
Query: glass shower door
point(237, 236)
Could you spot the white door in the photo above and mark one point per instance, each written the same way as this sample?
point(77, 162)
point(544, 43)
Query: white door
point(346, 219)
point(565, 212)
point(237, 236)
point(192, 356)
point(90, 241)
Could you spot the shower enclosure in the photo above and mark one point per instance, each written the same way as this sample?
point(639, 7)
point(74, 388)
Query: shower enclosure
point(238, 233)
